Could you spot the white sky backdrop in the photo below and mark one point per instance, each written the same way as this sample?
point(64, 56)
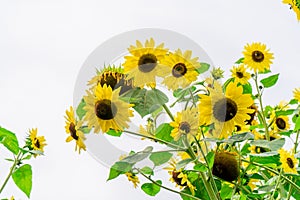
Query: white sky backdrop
point(44, 43)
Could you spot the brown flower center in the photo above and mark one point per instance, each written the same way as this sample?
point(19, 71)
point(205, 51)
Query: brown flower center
point(73, 131)
point(280, 123)
point(176, 179)
point(147, 63)
point(225, 166)
point(179, 70)
point(290, 163)
point(239, 74)
point(37, 143)
point(225, 109)
point(185, 126)
point(105, 109)
point(258, 56)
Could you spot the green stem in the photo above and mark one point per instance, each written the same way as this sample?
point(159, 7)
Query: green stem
point(156, 139)
point(12, 169)
point(166, 188)
point(168, 112)
point(192, 96)
point(277, 184)
point(262, 109)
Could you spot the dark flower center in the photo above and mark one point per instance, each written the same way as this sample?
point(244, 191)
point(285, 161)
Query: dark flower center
point(185, 126)
point(176, 179)
point(258, 56)
point(73, 131)
point(239, 74)
point(115, 80)
point(147, 63)
point(105, 109)
point(280, 123)
point(225, 109)
point(290, 163)
point(179, 70)
point(225, 166)
point(238, 128)
point(37, 143)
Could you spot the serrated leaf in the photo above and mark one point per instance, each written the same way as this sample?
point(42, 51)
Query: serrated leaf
point(200, 167)
point(23, 178)
point(139, 156)
point(119, 168)
point(147, 170)
point(151, 189)
point(114, 133)
point(159, 158)
point(203, 68)
point(163, 132)
point(270, 81)
point(80, 111)
point(9, 140)
point(210, 159)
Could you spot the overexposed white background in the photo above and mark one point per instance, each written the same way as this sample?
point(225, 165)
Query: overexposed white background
point(44, 43)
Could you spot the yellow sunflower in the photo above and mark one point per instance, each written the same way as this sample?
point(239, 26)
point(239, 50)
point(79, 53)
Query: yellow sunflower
point(73, 127)
point(240, 74)
point(279, 123)
point(225, 110)
point(113, 77)
point(144, 62)
point(257, 57)
point(133, 178)
point(295, 5)
point(288, 160)
point(186, 123)
point(297, 94)
point(37, 142)
point(179, 69)
point(104, 110)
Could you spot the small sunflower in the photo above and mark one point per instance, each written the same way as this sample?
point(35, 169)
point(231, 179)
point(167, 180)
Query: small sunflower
point(225, 110)
point(295, 5)
point(133, 178)
point(226, 166)
point(288, 160)
point(144, 62)
point(279, 123)
point(73, 128)
point(113, 77)
point(257, 57)
point(186, 123)
point(105, 110)
point(240, 74)
point(179, 69)
point(297, 94)
point(36, 142)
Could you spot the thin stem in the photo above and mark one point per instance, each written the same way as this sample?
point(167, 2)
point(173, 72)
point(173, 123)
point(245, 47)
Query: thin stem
point(166, 188)
point(262, 109)
point(168, 112)
point(277, 184)
point(192, 96)
point(156, 139)
point(12, 169)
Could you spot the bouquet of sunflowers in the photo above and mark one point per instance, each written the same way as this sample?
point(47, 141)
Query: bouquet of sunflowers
point(220, 140)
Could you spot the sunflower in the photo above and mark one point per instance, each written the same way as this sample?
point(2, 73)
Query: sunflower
point(288, 160)
point(104, 110)
point(133, 178)
point(186, 123)
point(36, 142)
point(179, 177)
point(279, 123)
point(73, 127)
point(295, 5)
point(240, 74)
point(297, 94)
point(113, 77)
point(144, 62)
point(179, 69)
point(225, 111)
point(257, 57)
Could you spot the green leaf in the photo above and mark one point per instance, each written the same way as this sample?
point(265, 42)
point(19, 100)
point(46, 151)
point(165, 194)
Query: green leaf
point(270, 81)
point(265, 72)
point(119, 168)
point(240, 61)
point(151, 189)
point(159, 158)
point(183, 92)
point(181, 164)
point(226, 191)
point(147, 170)
point(284, 112)
point(247, 88)
point(203, 68)
point(80, 111)
point(139, 156)
point(265, 158)
point(200, 167)
point(9, 140)
point(23, 178)
point(227, 82)
point(163, 132)
point(272, 145)
point(293, 101)
point(297, 124)
point(210, 159)
point(114, 133)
